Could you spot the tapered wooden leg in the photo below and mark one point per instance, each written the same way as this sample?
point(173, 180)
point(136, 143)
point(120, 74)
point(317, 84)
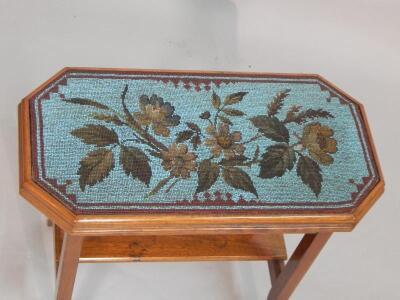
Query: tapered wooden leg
point(57, 238)
point(275, 268)
point(298, 264)
point(71, 249)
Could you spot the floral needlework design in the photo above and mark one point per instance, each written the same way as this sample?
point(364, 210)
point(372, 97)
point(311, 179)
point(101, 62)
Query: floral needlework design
point(305, 150)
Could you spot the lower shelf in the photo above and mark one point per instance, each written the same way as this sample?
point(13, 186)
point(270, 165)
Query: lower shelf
point(178, 248)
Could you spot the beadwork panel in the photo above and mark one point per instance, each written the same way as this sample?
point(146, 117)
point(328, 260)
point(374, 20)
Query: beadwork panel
point(154, 142)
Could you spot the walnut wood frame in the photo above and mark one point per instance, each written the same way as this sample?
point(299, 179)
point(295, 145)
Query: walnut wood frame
point(317, 226)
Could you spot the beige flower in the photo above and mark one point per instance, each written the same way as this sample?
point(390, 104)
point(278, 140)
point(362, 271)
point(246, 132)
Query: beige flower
point(178, 160)
point(157, 113)
point(222, 141)
point(318, 140)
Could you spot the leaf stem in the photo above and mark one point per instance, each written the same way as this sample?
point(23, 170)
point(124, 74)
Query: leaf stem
point(256, 137)
point(131, 140)
point(131, 122)
point(159, 186)
point(217, 113)
point(172, 185)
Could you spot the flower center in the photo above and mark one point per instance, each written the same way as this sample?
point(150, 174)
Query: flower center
point(224, 141)
point(154, 113)
point(322, 141)
point(179, 162)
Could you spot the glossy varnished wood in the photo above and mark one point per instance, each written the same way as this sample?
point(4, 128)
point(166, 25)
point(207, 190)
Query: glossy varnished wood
point(181, 237)
point(275, 267)
point(69, 260)
point(300, 261)
point(178, 248)
point(171, 224)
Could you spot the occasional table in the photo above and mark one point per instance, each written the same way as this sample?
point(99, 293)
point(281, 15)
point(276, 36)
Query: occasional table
point(151, 165)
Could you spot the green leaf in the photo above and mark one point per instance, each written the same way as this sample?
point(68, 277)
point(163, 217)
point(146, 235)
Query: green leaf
point(107, 118)
point(272, 128)
point(215, 100)
point(193, 126)
point(95, 167)
point(238, 179)
point(234, 98)
point(225, 120)
point(276, 160)
point(310, 173)
point(184, 136)
point(98, 135)
point(135, 162)
point(233, 112)
point(87, 102)
point(207, 175)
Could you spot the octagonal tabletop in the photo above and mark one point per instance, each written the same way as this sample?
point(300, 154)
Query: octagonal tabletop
point(131, 142)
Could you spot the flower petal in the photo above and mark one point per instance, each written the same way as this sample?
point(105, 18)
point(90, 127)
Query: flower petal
point(326, 131)
point(142, 119)
point(223, 129)
point(210, 130)
point(322, 157)
point(182, 149)
point(216, 151)
point(229, 153)
point(159, 129)
point(330, 145)
point(236, 136)
point(143, 101)
point(238, 148)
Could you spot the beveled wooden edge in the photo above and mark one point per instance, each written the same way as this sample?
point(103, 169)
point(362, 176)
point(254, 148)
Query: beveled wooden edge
point(178, 223)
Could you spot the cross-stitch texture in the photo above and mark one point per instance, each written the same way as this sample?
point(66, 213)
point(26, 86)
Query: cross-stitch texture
point(151, 142)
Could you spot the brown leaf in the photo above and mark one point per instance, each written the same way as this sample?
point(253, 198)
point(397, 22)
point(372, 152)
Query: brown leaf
point(183, 136)
point(193, 126)
point(238, 179)
point(277, 102)
point(276, 160)
point(234, 98)
point(233, 112)
point(309, 114)
point(196, 141)
point(205, 115)
point(271, 127)
point(225, 120)
point(215, 100)
point(135, 162)
point(88, 102)
point(94, 167)
point(291, 113)
point(310, 173)
point(98, 135)
point(207, 175)
point(234, 161)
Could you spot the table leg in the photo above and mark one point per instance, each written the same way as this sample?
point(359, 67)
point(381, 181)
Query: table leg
point(298, 264)
point(68, 266)
point(275, 268)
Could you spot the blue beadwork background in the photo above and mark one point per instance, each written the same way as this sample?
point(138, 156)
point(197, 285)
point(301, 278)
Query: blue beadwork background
point(62, 151)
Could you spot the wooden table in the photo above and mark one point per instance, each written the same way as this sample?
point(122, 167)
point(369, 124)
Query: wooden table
point(141, 165)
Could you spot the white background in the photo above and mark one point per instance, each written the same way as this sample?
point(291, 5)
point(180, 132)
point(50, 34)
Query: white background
point(355, 44)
